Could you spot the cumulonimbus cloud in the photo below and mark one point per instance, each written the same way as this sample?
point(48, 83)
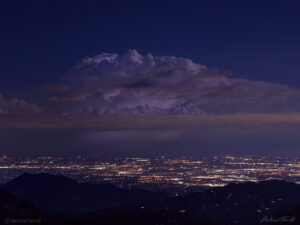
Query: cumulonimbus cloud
point(132, 83)
point(15, 106)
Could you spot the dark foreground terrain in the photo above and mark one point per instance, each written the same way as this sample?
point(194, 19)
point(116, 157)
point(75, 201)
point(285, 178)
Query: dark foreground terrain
point(49, 199)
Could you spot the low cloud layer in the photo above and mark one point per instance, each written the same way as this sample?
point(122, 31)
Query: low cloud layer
point(15, 106)
point(174, 135)
point(145, 84)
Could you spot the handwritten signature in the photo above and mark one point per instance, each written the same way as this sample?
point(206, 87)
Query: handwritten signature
point(268, 219)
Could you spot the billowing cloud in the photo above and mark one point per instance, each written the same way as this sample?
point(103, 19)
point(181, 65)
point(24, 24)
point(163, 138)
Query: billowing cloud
point(145, 84)
point(15, 106)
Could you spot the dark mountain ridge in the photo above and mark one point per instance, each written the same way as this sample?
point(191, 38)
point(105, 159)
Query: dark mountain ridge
point(243, 203)
point(13, 207)
point(58, 194)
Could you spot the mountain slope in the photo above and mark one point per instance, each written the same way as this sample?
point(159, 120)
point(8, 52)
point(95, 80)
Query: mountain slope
point(13, 207)
point(57, 194)
point(245, 203)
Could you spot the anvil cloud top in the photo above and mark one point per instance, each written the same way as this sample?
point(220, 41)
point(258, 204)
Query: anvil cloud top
point(131, 83)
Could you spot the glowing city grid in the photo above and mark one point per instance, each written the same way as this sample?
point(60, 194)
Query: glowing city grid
point(159, 172)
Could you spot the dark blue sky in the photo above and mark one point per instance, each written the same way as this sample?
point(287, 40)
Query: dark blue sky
point(41, 40)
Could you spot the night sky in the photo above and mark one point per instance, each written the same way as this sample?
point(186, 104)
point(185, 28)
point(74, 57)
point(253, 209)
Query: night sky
point(162, 77)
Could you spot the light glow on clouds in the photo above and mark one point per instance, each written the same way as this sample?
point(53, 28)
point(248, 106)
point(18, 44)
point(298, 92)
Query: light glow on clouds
point(110, 84)
point(15, 106)
point(129, 102)
point(131, 84)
